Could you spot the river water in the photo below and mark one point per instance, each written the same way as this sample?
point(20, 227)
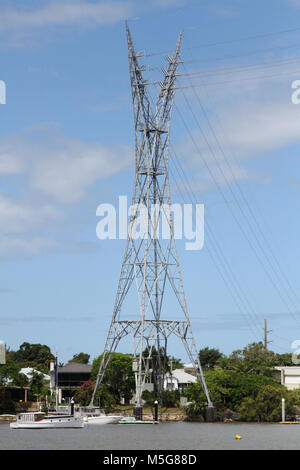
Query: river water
point(164, 436)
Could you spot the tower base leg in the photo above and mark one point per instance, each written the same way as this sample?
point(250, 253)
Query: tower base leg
point(211, 415)
point(138, 413)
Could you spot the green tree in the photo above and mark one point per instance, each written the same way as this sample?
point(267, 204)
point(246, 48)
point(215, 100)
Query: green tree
point(209, 357)
point(253, 359)
point(118, 377)
point(267, 405)
point(156, 361)
point(174, 363)
point(84, 394)
point(170, 398)
point(81, 358)
point(10, 373)
point(37, 387)
point(247, 409)
point(195, 410)
point(6, 404)
point(37, 356)
point(228, 388)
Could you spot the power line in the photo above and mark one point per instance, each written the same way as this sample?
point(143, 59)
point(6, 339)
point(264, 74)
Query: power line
point(253, 216)
point(228, 41)
point(222, 193)
point(218, 257)
point(216, 253)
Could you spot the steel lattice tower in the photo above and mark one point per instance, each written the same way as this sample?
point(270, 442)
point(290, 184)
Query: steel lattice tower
point(151, 263)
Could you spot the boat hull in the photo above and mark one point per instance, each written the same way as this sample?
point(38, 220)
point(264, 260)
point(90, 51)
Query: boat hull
point(99, 420)
point(50, 424)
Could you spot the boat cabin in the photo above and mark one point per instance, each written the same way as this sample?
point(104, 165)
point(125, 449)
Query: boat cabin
point(30, 417)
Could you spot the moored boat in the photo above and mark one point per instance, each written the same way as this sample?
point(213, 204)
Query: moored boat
point(102, 419)
point(39, 420)
point(94, 415)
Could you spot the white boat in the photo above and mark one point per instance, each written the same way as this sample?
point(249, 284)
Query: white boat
point(102, 419)
point(133, 420)
point(128, 420)
point(94, 415)
point(38, 420)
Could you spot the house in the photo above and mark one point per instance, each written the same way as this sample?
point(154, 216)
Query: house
point(289, 376)
point(178, 380)
point(29, 371)
point(71, 376)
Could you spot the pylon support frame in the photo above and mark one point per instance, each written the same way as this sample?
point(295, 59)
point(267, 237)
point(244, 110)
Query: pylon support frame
point(150, 262)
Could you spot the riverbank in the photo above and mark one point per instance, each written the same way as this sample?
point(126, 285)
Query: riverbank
point(7, 418)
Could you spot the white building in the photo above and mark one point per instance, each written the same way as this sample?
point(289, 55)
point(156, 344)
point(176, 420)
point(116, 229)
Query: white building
point(288, 376)
point(178, 380)
point(29, 371)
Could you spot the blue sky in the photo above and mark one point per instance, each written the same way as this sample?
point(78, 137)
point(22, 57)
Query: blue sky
point(67, 145)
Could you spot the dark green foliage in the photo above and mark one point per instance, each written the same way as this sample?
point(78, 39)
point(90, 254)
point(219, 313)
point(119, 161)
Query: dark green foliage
point(7, 406)
point(118, 377)
point(103, 396)
point(244, 382)
point(168, 398)
point(209, 357)
point(37, 356)
point(36, 385)
point(81, 358)
point(255, 359)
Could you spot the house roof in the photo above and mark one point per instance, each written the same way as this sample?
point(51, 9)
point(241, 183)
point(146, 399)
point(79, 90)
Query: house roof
point(75, 368)
point(181, 376)
point(28, 371)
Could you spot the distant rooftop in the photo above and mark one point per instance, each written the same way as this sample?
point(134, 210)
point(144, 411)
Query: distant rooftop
point(29, 371)
point(75, 367)
point(181, 376)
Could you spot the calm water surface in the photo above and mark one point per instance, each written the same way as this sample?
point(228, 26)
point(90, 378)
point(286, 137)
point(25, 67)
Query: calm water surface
point(164, 436)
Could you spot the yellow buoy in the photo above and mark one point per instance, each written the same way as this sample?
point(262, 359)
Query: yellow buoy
point(237, 436)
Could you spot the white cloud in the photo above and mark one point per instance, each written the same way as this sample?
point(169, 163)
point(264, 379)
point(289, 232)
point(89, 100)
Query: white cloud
point(59, 13)
point(66, 172)
point(14, 246)
point(59, 167)
point(252, 115)
point(57, 171)
point(19, 217)
point(9, 164)
point(265, 127)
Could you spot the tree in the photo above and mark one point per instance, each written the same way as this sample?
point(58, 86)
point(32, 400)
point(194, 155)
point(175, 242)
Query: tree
point(118, 377)
point(209, 357)
point(157, 361)
point(174, 363)
point(267, 405)
point(81, 358)
point(84, 394)
point(37, 356)
point(10, 373)
point(170, 398)
point(229, 388)
point(247, 409)
point(37, 385)
point(253, 359)
point(6, 404)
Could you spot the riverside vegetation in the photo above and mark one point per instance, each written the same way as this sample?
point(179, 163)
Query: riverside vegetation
point(242, 385)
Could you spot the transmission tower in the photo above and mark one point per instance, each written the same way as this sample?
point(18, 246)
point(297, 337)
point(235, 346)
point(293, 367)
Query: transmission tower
point(151, 263)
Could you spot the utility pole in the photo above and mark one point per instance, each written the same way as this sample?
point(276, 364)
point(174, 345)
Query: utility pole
point(266, 335)
point(266, 331)
point(151, 262)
